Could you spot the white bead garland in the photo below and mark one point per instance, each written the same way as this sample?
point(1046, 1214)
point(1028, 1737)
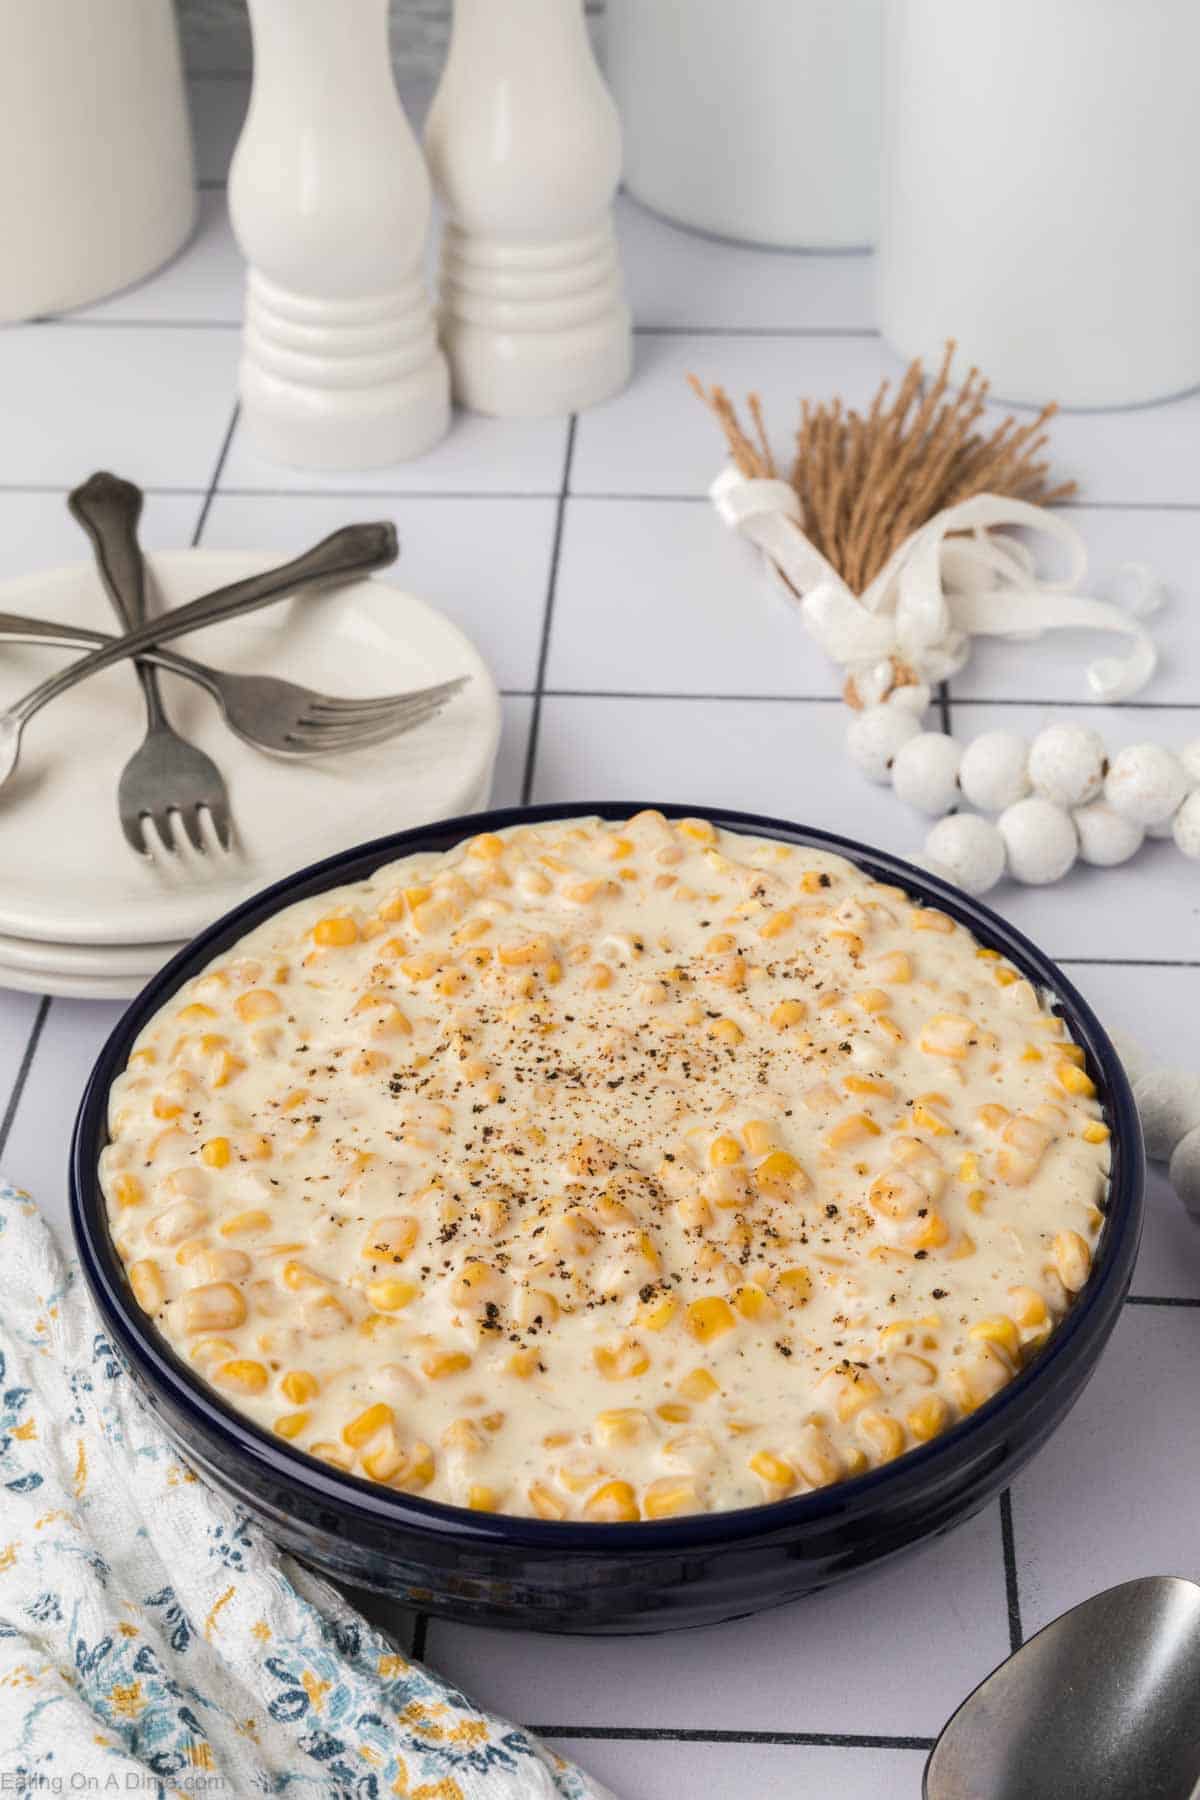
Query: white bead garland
point(876, 735)
point(1105, 838)
point(968, 851)
point(994, 772)
point(1186, 826)
point(1059, 799)
point(925, 772)
point(1040, 840)
point(1067, 764)
point(1146, 783)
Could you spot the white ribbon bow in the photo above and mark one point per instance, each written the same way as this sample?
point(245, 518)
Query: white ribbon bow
point(947, 582)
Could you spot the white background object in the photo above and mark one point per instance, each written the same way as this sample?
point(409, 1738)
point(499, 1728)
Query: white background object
point(68, 875)
point(757, 120)
point(1040, 194)
point(524, 147)
point(330, 202)
point(96, 184)
point(646, 690)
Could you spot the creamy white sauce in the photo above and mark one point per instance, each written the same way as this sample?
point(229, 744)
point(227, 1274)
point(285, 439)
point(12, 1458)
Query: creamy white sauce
point(607, 1171)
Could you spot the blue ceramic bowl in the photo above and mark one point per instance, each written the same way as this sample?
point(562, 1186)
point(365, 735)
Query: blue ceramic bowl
point(656, 1575)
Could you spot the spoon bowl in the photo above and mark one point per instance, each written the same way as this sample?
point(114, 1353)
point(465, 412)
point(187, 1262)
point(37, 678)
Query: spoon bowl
point(1103, 1703)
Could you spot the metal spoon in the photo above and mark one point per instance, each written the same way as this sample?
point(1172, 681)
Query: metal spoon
point(1104, 1704)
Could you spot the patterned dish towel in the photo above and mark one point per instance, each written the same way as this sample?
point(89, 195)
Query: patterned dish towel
point(152, 1642)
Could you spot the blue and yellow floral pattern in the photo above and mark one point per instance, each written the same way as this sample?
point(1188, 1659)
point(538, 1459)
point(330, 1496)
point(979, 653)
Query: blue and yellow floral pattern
point(153, 1642)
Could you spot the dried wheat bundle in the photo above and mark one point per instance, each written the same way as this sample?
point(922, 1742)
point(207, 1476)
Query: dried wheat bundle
point(865, 484)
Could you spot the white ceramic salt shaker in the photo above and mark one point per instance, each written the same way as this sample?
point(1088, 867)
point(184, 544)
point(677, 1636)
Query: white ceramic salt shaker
point(524, 146)
point(330, 202)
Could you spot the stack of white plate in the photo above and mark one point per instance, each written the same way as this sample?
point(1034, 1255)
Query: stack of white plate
point(80, 913)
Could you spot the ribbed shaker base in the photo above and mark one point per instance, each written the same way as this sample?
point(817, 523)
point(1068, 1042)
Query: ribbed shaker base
point(532, 330)
point(341, 384)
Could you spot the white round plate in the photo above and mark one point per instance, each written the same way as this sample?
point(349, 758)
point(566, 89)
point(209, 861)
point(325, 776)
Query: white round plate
point(104, 960)
point(68, 875)
point(72, 987)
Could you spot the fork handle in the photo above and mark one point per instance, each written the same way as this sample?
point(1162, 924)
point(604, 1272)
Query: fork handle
point(354, 550)
point(109, 509)
point(21, 629)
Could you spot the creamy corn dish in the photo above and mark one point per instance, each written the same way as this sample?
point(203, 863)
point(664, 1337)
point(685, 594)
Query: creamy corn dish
point(607, 1172)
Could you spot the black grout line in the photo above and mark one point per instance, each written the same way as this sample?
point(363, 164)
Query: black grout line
point(18, 1087)
point(535, 719)
point(420, 1631)
point(1129, 962)
point(942, 698)
point(1012, 1591)
point(660, 694)
point(659, 1734)
point(83, 323)
point(202, 521)
point(1125, 705)
point(1161, 1300)
point(758, 331)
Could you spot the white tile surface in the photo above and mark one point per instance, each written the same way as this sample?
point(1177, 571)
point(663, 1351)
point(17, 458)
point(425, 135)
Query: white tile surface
point(483, 562)
point(777, 757)
point(1113, 1493)
point(203, 283)
point(1147, 908)
point(819, 1665)
point(658, 597)
point(1168, 542)
point(37, 532)
point(479, 456)
point(657, 437)
point(510, 762)
point(672, 1771)
point(154, 404)
point(680, 279)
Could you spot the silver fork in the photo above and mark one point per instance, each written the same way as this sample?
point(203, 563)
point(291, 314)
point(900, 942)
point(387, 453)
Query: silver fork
point(280, 717)
point(354, 550)
point(167, 778)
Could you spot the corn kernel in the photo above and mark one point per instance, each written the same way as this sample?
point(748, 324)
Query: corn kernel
point(613, 1501)
point(545, 1502)
point(128, 1191)
point(928, 1418)
point(723, 1151)
point(666, 1498)
point(243, 1375)
point(788, 1013)
point(621, 1362)
point(794, 1286)
point(709, 1318)
point(437, 1364)
point(290, 1425)
point(334, 933)
point(145, 1278)
point(699, 1385)
point(362, 1428)
point(1075, 1080)
point(391, 1296)
point(1096, 1132)
point(726, 1031)
point(1001, 1332)
point(774, 1473)
point(1072, 1260)
point(620, 1425)
point(656, 1313)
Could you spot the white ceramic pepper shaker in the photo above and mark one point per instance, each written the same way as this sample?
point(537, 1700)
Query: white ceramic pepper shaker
point(330, 202)
point(524, 146)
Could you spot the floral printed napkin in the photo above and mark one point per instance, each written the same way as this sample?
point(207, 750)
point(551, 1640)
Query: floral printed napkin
point(152, 1642)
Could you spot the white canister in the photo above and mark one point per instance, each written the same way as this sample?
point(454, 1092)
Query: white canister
point(96, 182)
point(1041, 193)
point(752, 119)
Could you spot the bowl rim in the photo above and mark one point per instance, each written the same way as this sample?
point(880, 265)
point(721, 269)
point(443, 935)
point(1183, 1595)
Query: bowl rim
point(377, 1506)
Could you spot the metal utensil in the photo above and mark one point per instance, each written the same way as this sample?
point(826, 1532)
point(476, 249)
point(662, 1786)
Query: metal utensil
point(354, 550)
point(1104, 1703)
point(167, 779)
point(281, 717)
